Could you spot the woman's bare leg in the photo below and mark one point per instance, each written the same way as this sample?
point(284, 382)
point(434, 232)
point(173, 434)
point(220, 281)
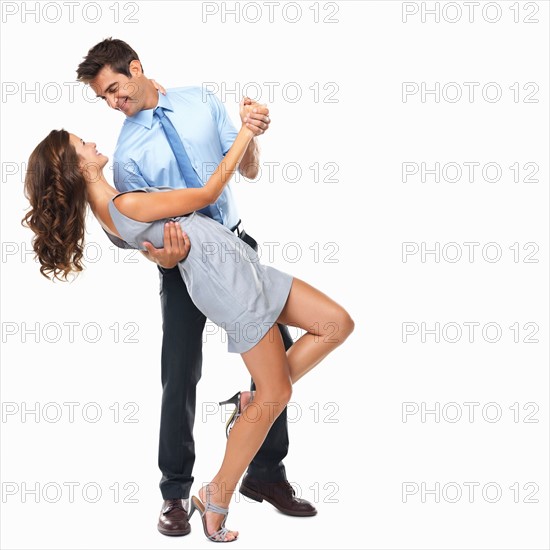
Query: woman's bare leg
point(327, 324)
point(268, 366)
point(274, 371)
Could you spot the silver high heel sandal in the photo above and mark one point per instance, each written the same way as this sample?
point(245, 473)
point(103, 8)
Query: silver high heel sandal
point(196, 504)
point(236, 401)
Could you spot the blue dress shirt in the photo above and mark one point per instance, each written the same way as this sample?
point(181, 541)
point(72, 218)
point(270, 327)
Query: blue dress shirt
point(143, 157)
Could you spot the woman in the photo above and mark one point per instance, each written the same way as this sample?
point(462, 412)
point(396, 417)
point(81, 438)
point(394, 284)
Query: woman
point(223, 275)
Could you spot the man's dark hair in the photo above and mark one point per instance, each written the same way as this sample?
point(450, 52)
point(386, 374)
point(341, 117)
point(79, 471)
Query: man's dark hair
point(112, 52)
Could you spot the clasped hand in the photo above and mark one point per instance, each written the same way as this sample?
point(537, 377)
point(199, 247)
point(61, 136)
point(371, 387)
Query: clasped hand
point(254, 115)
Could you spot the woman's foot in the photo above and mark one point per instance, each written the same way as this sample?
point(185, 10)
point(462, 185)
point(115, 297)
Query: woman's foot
point(214, 521)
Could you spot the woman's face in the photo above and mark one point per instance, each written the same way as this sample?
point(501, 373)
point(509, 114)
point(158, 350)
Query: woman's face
point(87, 151)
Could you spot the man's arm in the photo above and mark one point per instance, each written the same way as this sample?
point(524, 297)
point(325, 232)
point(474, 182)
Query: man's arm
point(258, 121)
point(254, 116)
point(250, 163)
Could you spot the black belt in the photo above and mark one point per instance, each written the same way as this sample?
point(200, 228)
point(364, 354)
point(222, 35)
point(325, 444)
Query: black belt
point(244, 236)
point(236, 227)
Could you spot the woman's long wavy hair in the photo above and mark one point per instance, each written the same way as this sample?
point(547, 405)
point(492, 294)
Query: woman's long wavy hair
point(56, 189)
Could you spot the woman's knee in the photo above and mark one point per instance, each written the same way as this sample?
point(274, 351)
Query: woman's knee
point(344, 323)
point(279, 395)
point(285, 393)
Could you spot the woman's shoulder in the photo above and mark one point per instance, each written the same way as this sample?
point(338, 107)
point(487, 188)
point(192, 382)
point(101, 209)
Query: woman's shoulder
point(125, 202)
point(132, 204)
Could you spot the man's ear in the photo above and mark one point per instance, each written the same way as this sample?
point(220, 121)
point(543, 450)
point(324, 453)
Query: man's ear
point(135, 68)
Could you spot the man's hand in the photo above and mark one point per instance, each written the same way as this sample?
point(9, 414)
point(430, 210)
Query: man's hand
point(255, 116)
point(176, 247)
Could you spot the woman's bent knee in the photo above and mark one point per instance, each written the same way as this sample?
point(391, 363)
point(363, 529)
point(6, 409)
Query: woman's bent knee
point(345, 324)
point(278, 396)
point(283, 394)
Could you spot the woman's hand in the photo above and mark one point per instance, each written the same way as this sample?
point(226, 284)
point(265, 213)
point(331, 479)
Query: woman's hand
point(158, 86)
point(254, 116)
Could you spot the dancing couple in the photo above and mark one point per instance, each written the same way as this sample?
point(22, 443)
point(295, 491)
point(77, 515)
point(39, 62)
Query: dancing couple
point(164, 204)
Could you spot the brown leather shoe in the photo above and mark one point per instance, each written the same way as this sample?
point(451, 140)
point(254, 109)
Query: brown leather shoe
point(173, 520)
point(280, 494)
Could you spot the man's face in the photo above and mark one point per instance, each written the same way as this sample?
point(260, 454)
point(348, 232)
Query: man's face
point(120, 92)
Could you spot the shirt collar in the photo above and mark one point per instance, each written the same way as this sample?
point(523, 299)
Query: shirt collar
point(145, 117)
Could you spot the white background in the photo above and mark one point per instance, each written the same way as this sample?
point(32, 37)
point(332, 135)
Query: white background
point(351, 450)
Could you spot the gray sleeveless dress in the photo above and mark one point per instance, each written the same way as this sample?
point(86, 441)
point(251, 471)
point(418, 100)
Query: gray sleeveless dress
point(223, 275)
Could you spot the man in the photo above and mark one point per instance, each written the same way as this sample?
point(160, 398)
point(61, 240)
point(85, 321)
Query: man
point(182, 152)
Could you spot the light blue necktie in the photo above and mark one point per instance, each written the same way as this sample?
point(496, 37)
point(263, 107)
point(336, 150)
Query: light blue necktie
point(184, 163)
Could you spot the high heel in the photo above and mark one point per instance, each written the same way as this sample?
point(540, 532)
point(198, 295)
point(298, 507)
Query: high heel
point(221, 533)
point(236, 401)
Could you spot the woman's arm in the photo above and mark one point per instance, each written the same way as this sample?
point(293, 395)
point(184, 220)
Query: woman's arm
point(148, 207)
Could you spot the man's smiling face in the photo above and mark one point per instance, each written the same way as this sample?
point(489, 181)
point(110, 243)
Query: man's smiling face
point(120, 92)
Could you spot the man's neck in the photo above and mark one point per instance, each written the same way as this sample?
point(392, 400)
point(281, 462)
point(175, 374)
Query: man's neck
point(151, 96)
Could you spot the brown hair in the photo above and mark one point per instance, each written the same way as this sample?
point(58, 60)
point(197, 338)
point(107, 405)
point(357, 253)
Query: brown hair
point(56, 189)
point(112, 52)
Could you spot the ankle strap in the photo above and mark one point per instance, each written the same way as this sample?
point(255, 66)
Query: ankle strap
point(209, 507)
point(213, 507)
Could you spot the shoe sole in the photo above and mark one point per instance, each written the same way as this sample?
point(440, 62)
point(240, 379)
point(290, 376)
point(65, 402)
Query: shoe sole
point(249, 493)
point(173, 533)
